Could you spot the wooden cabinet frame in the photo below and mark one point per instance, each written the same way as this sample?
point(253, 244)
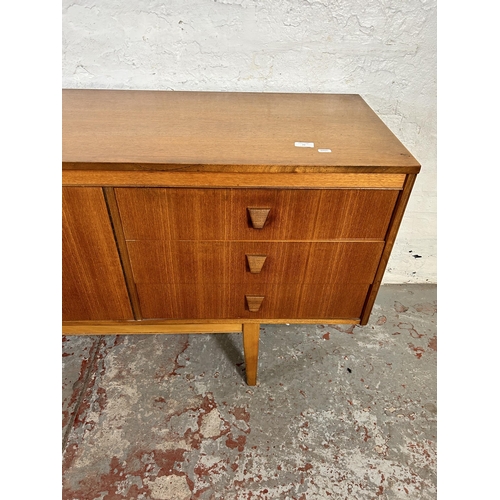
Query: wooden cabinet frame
point(382, 170)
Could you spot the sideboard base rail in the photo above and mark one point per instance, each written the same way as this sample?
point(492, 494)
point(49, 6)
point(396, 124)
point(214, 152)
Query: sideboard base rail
point(250, 330)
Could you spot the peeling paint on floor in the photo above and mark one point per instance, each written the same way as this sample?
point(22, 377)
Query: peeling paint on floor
point(340, 411)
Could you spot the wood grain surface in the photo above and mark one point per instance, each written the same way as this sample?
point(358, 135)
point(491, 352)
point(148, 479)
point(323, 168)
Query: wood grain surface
point(197, 301)
point(121, 245)
point(258, 216)
point(93, 285)
point(312, 214)
point(174, 214)
point(143, 327)
point(223, 128)
point(156, 325)
point(254, 302)
point(210, 262)
point(218, 214)
point(251, 334)
point(231, 179)
point(392, 232)
point(254, 169)
point(158, 186)
point(255, 263)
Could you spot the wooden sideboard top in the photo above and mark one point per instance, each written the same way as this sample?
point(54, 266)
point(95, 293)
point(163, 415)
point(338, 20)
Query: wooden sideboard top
point(170, 129)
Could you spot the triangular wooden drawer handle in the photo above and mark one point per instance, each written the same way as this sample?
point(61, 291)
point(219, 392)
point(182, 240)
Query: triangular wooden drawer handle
point(258, 216)
point(255, 263)
point(254, 302)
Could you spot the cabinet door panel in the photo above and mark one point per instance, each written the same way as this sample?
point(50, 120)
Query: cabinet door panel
point(93, 286)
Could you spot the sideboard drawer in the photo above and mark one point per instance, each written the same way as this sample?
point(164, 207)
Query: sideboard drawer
point(198, 301)
point(312, 214)
point(281, 214)
point(294, 262)
point(308, 301)
point(186, 301)
point(173, 214)
point(180, 262)
point(189, 262)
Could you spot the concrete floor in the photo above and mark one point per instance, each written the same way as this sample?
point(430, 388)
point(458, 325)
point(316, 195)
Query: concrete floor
point(340, 412)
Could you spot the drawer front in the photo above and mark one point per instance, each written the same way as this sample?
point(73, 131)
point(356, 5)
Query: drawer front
point(199, 301)
point(181, 262)
point(165, 301)
point(209, 262)
point(254, 214)
point(173, 214)
point(300, 301)
point(304, 262)
point(312, 214)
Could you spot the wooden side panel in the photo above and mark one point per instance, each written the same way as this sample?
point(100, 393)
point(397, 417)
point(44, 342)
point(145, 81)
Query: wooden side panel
point(312, 214)
point(390, 239)
point(173, 214)
point(93, 286)
point(166, 301)
point(211, 262)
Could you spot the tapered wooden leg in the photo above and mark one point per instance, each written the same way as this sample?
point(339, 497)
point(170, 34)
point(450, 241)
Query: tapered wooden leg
point(251, 332)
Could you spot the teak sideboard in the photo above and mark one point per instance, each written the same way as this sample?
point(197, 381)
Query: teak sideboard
point(209, 212)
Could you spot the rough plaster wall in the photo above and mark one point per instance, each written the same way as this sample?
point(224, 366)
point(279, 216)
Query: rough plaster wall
point(384, 50)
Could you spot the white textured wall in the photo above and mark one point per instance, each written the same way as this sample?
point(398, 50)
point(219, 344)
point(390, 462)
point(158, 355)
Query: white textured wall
point(384, 50)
